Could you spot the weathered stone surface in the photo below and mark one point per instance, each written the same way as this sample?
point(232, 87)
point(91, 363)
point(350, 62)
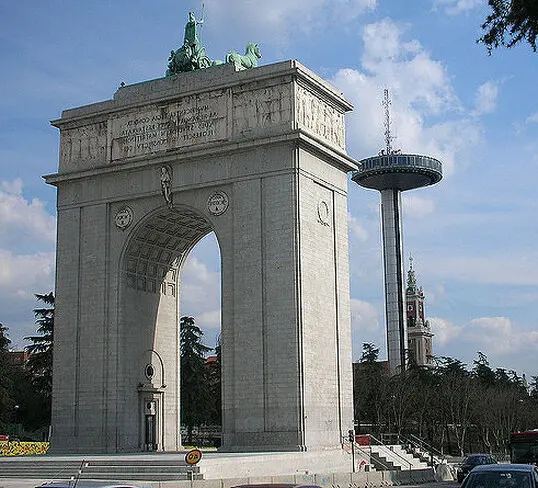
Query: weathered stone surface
point(256, 156)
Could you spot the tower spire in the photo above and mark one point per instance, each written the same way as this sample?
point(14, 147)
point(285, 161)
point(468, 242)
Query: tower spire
point(411, 278)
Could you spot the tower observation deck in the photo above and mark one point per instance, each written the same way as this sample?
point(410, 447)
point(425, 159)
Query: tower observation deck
point(392, 172)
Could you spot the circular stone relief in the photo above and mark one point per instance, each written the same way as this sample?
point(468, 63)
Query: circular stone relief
point(323, 212)
point(218, 203)
point(123, 218)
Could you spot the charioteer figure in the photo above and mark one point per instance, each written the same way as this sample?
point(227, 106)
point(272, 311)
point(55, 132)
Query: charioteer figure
point(191, 55)
point(191, 33)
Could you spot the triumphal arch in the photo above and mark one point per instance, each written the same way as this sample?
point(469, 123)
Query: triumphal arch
point(256, 156)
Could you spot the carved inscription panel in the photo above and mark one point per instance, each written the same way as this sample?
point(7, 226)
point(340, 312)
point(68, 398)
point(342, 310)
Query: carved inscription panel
point(83, 147)
point(261, 108)
point(320, 118)
point(192, 120)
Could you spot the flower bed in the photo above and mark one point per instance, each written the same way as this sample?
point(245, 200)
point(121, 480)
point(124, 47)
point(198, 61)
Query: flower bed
point(15, 448)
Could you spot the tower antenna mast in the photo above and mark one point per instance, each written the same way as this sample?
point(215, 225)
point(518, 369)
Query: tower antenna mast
point(386, 122)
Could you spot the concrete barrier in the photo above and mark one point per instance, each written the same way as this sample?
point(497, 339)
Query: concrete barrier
point(369, 479)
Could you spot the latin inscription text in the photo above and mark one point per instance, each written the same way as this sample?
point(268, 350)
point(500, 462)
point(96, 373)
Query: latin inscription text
point(181, 124)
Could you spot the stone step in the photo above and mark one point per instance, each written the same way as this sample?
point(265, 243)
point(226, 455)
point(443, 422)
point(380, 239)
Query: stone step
point(126, 469)
point(381, 463)
point(395, 455)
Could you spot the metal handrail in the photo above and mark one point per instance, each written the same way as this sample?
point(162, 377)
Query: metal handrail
point(432, 451)
point(414, 440)
point(364, 452)
point(393, 452)
point(429, 447)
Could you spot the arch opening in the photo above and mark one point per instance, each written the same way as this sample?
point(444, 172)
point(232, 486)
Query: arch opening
point(200, 298)
point(150, 310)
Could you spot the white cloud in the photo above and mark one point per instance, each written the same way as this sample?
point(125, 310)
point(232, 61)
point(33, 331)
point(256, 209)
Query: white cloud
point(199, 287)
point(444, 330)
point(421, 92)
point(195, 271)
point(209, 320)
point(382, 42)
point(455, 7)
point(491, 334)
point(24, 219)
point(486, 98)
point(279, 19)
point(200, 292)
point(407, 69)
point(416, 206)
point(363, 316)
point(356, 229)
point(506, 344)
point(366, 327)
point(22, 276)
point(532, 118)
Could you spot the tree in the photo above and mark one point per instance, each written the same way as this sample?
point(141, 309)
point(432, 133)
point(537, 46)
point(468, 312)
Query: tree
point(6, 403)
point(456, 389)
point(195, 396)
point(39, 365)
point(534, 388)
point(18, 400)
point(41, 347)
point(510, 22)
point(402, 401)
point(368, 382)
point(5, 341)
point(214, 385)
point(483, 371)
point(424, 381)
point(370, 353)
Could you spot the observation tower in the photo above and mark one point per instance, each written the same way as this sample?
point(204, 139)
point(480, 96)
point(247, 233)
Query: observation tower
point(391, 172)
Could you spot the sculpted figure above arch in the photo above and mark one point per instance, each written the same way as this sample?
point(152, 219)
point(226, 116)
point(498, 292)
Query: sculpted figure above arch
point(192, 55)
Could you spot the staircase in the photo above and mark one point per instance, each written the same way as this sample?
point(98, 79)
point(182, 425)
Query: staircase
point(124, 468)
point(394, 457)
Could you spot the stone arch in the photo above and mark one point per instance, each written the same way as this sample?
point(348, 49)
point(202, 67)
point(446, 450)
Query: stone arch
point(150, 269)
point(247, 155)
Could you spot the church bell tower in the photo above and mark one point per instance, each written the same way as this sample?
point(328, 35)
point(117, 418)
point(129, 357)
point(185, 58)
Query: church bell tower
point(418, 329)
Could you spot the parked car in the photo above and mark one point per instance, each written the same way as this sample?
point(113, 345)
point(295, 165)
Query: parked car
point(502, 476)
point(471, 461)
point(71, 483)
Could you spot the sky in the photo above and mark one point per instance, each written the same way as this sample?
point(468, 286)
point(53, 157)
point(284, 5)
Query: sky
point(472, 236)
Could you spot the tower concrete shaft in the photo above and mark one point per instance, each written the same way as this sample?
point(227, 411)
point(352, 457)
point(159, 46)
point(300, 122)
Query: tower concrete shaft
point(390, 173)
point(394, 282)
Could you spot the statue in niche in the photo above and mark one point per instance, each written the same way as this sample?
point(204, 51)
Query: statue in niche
point(166, 185)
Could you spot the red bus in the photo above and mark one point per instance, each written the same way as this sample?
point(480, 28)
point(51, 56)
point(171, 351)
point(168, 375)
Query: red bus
point(524, 447)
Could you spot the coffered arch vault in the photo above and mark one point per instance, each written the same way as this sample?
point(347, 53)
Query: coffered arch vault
point(159, 245)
